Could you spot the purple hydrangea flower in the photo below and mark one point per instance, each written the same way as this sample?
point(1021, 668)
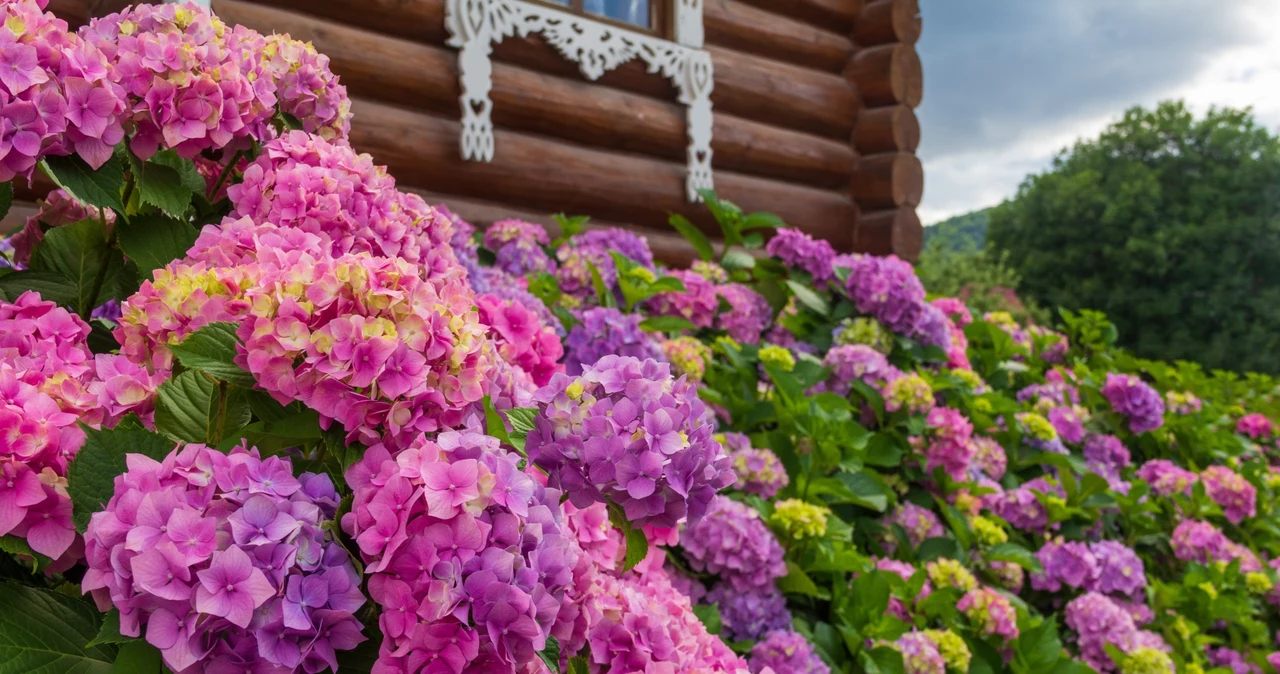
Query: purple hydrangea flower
point(887, 289)
point(1121, 570)
point(1069, 564)
point(750, 615)
point(850, 362)
point(797, 249)
point(733, 541)
point(748, 316)
point(1135, 399)
point(787, 652)
point(604, 331)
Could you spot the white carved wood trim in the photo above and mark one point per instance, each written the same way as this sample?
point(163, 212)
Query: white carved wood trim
point(475, 26)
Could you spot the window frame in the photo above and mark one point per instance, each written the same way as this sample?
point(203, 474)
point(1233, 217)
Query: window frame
point(662, 16)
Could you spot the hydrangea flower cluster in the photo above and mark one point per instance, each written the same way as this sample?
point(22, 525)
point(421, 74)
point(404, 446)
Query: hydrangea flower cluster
point(1255, 426)
point(910, 392)
point(1107, 456)
point(366, 342)
point(225, 560)
point(786, 652)
point(1182, 402)
point(748, 315)
point(469, 556)
point(1166, 477)
point(603, 331)
point(522, 339)
point(304, 183)
point(1136, 400)
point(950, 444)
point(991, 612)
point(583, 250)
point(1230, 490)
point(799, 519)
point(1021, 508)
point(627, 433)
point(855, 362)
point(919, 523)
point(865, 331)
point(1098, 622)
point(733, 542)
point(1103, 566)
point(698, 303)
point(989, 458)
point(750, 615)
point(306, 88)
point(887, 289)
point(797, 249)
point(759, 471)
point(689, 356)
point(1201, 542)
point(519, 247)
point(920, 654)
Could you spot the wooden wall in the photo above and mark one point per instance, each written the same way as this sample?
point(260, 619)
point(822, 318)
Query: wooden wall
point(812, 104)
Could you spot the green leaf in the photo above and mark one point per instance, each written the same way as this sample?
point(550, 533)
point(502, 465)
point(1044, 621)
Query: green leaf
point(185, 168)
point(809, 297)
point(45, 632)
point(359, 660)
point(666, 324)
point(694, 235)
point(603, 297)
point(798, 582)
point(272, 436)
point(18, 547)
point(885, 659)
point(867, 491)
point(1012, 552)
point(52, 286)
point(138, 657)
point(637, 548)
point(709, 614)
point(162, 186)
point(97, 188)
point(578, 664)
point(153, 241)
point(762, 220)
point(493, 424)
point(551, 655)
point(92, 473)
point(212, 349)
point(521, 420)
point(6, 198)
point(109, 633)
point(78, 253)
point(934, 548)
point(187, 408)
point(737, 259)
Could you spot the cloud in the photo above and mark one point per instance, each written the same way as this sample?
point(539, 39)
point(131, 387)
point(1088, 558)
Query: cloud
point(1010, 82)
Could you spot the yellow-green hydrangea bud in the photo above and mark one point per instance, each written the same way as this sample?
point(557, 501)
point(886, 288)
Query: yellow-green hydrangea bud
point(1002, 319)
point(952, 648)
point(865, 331)
point(800, 519)
point(1272, 478)
point(1258, 582)
point(1192, 668)
point(642, 273)
point(710, 271)
point(970, 379)
point(983, 406)
point(950, 573)
point(688, 356)
point(1147, 660)
point(1038, 427)
point(725, 343)
point(1209, 589)
point(778, 357)
point(988, 532)
point(911, 392)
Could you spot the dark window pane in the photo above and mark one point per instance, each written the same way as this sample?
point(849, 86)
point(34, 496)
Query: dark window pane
point(635, 12)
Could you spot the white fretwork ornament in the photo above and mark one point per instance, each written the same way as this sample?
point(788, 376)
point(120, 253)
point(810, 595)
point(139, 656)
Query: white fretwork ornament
point(475, 26)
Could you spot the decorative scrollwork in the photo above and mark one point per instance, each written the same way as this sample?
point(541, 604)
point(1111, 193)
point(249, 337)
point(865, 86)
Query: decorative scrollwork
point(475, 26)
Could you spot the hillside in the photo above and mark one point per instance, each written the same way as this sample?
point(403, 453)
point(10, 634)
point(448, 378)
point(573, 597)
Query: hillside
point(967, 232)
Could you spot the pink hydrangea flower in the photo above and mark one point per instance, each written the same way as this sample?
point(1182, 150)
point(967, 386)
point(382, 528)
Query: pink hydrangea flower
point(1256, 426)
point(522, 339)
point(1230, 490)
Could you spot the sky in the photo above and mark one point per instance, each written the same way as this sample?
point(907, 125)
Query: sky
point(1010, 83)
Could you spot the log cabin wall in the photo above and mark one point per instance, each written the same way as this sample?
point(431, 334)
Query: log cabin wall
point(813, 116)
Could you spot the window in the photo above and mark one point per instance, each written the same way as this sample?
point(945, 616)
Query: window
point(646, 15)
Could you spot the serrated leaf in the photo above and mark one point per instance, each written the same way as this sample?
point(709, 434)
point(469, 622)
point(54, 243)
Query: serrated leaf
point(666, 324)
point(191, 178)
point(99, 187)
point(709, 614)
point(109, 633)
point(45, 632)
point(161, 185)
point(578, 664)
point(18, 548)
point(78, 252)
point(6, 198)
point(272, 436)
point(186, 407)
point(637, 548)
point(92, 473)
point(521, 420)
point(550, 655)
point(212, 349)
point(153, 241)
point(52, 286)
point(693, 235)
point(138, 657)
point(809, 297)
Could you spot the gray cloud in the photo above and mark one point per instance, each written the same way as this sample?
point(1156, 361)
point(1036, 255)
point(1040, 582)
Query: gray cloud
point(1004, 74)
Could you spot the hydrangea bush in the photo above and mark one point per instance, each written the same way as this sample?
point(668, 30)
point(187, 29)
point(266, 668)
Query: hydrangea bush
point(263, 411)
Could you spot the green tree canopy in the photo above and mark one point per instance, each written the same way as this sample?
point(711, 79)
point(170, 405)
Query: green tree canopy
point(1168, 223)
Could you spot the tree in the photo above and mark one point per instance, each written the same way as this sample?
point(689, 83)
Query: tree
point(984, 281)
point(1169, 224)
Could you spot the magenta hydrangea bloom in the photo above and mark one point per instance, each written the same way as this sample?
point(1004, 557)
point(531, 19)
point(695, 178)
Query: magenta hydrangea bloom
point(786, 652)
point(604, 331)
point(797, 249)
point(698, 303)
point(1071, 564)
point(990, 612)
point(920, 654)
point(855, 362)
point(950, 444)
point(225, 560)
point(1136, 400)
point(627, 433)
point(887, 289)
point(519, 247)
point(1098, 622)
point(749, 616)
point(1067, 421)
point(759, 471)
point(289, 186)
point(905, 571)
point(1167, 478)
point(469, 555)
point(989, 458)
point(1107, 456)
point(1231, 659)
point(522, 339)
point(733, 542)
point(955, 309)
point(306, 88)
point(1020, 507)
point(1203, 543)
point(1230, 490)
point(1121, 570)
point(918, 522)
point(1255, 426)
point(748, 315)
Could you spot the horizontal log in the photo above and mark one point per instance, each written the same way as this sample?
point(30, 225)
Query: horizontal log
point(668, 247)
point(886, 21)
point(746, 85)
point(542, 174)
point(888, 180)
point(895, 231)
point(737, 25)
point(75, 12)
point(893, 128)
point(836, 16)
point(887, 75)
point(425, 76)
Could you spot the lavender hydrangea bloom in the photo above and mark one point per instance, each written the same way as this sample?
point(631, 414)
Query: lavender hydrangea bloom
point(733, 541)
point(850, 362)
point(748, 316)
point(593, 247)
point(626, 432)
point(797, 249)
point(786, 652)
point(1020, 507)
point(1121, 569)
point(750, 615)
point(1107, 456)
point(1135, 399)
point(697, 303)
point(518, 247)
point(887, 289)
point(606, 331)
point(1069, 564)
point(1098, 621)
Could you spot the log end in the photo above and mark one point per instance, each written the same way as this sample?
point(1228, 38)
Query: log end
point(887, 129)
point(888, 74)
point(886, 21)
point(888, 180)
point(894, 231)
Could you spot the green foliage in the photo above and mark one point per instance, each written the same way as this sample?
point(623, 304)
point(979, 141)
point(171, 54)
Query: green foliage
point(966, 233)
point(153, 241)
point(984, 280)
point(46, 631)
point(101, 187)
point(1167, 223)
